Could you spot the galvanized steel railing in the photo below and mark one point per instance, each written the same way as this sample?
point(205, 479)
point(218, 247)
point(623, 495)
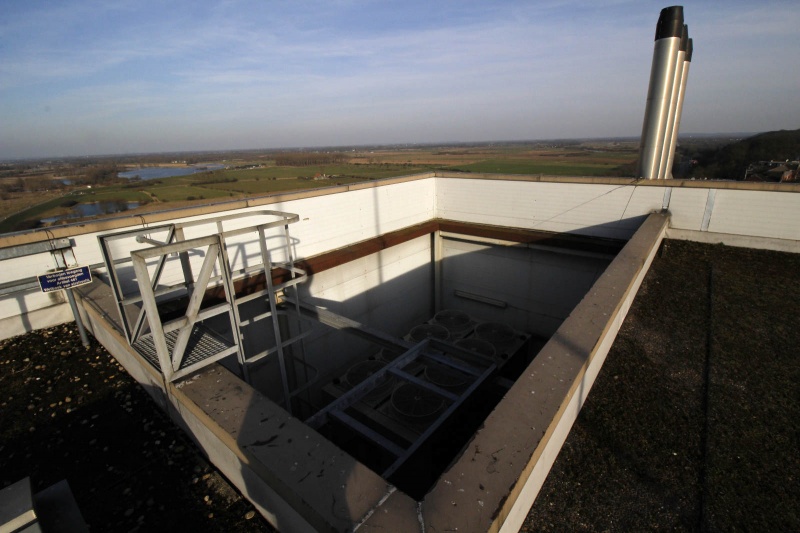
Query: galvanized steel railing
point(183, 345)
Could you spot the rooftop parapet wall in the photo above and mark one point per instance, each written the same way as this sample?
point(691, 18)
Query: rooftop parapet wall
point(110, 224)
point(285, 200)
point(330, 219)
point(608, 180)
point(759, 215)
point(754, 215)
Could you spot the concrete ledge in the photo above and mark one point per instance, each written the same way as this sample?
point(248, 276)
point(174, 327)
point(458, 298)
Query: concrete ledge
point(117, 345)
point(495, 481)
point(298, 479)
point(741, 241)
point(584, 339)
point(609, 180)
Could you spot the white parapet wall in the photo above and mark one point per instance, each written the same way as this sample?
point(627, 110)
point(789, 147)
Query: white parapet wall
point(753, 215)
point(740, 214)
point(329, 219)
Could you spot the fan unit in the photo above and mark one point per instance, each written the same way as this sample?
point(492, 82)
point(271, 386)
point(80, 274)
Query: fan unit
point(361, 371)
point(414, 403)
point(428, 331)
point(458, 323)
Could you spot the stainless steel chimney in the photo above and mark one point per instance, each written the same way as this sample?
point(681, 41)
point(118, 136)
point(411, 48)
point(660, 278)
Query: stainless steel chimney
point(666, 150)
point(669, 32)
point(673, 142)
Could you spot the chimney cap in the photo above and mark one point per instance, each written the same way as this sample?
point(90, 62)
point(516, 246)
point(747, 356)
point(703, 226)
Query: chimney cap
point(670, 23)
point(684, 38)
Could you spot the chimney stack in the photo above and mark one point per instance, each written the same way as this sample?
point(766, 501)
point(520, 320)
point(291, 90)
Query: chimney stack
point(673, 142)
point(662, 111)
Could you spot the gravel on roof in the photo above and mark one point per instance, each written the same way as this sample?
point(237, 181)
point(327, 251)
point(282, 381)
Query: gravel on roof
point(67, 412)
point(694, 421)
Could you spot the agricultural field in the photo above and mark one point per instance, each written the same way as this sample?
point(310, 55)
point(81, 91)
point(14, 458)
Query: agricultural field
point(555, 163)
point(96, 191)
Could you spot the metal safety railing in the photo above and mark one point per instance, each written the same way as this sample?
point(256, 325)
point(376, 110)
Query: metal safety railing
point(60, 249)
point(181, 344)
point(145, 282)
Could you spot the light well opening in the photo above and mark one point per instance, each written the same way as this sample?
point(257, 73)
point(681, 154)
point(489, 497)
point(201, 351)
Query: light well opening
point(396, 353)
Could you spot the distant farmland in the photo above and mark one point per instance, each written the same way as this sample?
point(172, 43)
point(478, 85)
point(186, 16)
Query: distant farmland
point(259, 175)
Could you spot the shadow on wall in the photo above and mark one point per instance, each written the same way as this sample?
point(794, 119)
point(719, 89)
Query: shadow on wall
point(318, 481)
point(20, 322)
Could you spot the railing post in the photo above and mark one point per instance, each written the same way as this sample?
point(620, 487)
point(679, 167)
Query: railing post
point(78, 319)
point(151, 310)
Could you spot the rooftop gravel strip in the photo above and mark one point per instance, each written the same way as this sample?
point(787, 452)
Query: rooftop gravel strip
point(694, 420)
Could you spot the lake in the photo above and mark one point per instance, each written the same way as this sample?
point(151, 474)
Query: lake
point(151, 173)
point(92, 209)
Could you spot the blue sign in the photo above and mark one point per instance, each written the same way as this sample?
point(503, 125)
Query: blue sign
point(65, 279)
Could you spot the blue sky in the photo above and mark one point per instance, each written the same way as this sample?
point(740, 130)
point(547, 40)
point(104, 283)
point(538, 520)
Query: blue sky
point(81, 77)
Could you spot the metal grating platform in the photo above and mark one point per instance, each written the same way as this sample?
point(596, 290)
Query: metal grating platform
point(203, 344)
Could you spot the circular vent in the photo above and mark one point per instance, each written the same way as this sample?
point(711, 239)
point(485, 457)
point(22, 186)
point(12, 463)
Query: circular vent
point(361, 371)
point(478, 347)
point(429, 331)
point(443, 376)
point(456, 322)
point(412, 401)
point(494, 333)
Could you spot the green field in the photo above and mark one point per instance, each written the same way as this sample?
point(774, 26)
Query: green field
point(176, 193)
point(374, 171)
point(111, 195)
point(499, 166)
point(269, 186)
point(195, 189)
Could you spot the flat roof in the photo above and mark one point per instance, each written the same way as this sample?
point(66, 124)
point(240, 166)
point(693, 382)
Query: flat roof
point(694, 420)
point(692, 423)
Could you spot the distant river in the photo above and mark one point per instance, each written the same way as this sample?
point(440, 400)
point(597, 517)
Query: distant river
point(151, 173)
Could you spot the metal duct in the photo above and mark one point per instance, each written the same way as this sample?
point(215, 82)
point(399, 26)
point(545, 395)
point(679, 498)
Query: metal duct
point(677, 124)
point(666, 151)
point(669, 33)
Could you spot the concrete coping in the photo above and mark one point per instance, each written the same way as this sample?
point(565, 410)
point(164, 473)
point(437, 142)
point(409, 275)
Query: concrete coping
point(493, 484)
point(149, 218)
point(299, 478)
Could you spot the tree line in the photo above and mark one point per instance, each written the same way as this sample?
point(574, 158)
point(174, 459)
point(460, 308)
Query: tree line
point(730, 161)
point(302, 159)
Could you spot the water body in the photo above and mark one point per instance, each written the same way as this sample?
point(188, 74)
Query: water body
point(151, 173)
point(92, 209)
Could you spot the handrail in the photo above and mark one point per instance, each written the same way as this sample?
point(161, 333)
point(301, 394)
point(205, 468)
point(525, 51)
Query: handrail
point(171, 339)
point(30, 283)
point(24, 250)
point(174, 234)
